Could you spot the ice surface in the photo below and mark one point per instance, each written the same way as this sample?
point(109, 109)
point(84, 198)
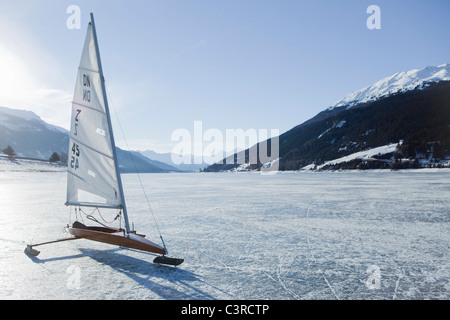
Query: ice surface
point(346, 235)
point(23, 165)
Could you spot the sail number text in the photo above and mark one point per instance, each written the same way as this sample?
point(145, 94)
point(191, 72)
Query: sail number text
point(74, 160)
point(74, 163)
point(75, 132)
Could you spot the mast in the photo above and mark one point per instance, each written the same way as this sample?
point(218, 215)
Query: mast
point(108, 116)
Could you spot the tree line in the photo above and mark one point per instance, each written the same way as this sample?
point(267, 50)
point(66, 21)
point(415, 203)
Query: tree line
point(55, 157)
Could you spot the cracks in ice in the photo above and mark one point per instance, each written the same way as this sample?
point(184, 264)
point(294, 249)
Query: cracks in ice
point(280, 280)
point(314, 259)
point(397, 284)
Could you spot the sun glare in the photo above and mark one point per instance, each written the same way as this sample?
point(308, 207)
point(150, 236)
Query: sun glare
point(15, 79)
point(20, 89)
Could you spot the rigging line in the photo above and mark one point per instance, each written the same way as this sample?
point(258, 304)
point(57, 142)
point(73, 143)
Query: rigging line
point(118, 215)
point(90, 216)
point(135, 167)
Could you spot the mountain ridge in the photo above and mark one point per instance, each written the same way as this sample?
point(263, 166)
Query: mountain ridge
point(398, 82)
point(411, 109)
point(416, 117)
point(33, 138)
point(29, 135)
point(167, 158)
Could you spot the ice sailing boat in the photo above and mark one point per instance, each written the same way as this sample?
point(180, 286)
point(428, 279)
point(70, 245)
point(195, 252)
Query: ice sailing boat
point(93, 178)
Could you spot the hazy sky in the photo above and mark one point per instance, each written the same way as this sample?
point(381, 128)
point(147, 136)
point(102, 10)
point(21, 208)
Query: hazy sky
point(250, 64)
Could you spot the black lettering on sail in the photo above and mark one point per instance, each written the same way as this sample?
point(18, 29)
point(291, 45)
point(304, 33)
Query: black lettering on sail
point(87, 84)
point(87, 95)
point(86, 80)
point(78, 113)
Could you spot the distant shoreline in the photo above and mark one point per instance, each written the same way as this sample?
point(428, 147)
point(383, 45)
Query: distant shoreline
point(20, 164)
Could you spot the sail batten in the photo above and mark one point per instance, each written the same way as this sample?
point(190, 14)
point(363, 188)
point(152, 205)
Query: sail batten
point(87, 204)
point(87, 69)
point(85, 106)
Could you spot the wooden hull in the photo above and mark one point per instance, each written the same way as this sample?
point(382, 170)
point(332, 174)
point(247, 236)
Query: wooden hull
point(115, 237)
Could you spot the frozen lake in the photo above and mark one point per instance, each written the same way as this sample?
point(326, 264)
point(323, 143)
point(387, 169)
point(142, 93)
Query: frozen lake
point(348, 235)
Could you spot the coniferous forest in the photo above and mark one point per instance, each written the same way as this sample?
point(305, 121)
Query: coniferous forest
point(419, 120)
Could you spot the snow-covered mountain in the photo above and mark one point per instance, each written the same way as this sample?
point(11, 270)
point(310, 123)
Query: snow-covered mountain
point(29, 135)
point(399, 82)
point(411, 107)
point(134, 161)
point(32, 137)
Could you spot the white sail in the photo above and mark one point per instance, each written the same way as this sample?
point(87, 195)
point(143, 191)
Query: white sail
point(92, 176)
